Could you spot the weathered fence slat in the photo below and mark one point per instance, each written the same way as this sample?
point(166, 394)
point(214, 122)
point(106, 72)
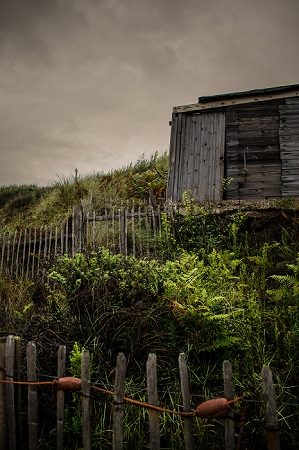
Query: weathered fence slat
point(18, 391)
point(39, 248)
point(152, 393)
point(3, 251)
point(228, 393)
point(33, 253)
point(3, 413)
point(28, 253)
point(10, 392)
point(18, 252)
point(188, 426)
point(8, 253)
point(61, 361)
point(140, 230)
point(119, 407)
point(85, 386)
point(271, 414)
point(32, 397)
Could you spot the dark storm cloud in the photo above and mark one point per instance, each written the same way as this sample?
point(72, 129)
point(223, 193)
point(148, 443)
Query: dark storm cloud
point(91, 83)
point(26, 26)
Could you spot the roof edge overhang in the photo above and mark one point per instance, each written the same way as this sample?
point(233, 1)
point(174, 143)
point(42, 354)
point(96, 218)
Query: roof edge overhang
point(238, 98)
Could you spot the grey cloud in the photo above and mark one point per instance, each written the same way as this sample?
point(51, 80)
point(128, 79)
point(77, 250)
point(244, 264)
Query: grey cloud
point(91, 83)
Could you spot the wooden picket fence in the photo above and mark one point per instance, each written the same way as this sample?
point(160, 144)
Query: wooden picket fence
point(134, 228)
point(11, 393)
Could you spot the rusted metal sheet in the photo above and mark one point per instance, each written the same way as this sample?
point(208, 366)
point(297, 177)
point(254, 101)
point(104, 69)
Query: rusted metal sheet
point(197, 156)
point(253, 151)
point(289, 146)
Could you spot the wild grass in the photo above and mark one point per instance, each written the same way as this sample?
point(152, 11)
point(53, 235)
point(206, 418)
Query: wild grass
point(30, 206)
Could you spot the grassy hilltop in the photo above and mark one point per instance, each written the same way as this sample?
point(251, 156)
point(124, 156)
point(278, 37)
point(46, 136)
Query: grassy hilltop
point(229, 290)
point(30, 205)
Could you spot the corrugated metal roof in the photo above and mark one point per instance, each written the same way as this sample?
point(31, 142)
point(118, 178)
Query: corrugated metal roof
point(255, 92)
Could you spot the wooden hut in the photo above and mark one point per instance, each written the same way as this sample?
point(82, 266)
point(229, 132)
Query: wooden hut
point(242, 145)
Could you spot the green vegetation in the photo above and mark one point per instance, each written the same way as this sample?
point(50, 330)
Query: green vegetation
point(29, 206)
point(228, 289)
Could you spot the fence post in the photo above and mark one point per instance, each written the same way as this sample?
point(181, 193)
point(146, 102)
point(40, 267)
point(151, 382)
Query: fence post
point(10, 392)
point(271, 414)
point(60, 396)
point(118, 407)
point(123, 236)
point(152, 393)
point(32, 396)
point(85, 384)
point(3, 415)
point(228, 394)
point(18, 372)
point(76, 230)
point(188, 426)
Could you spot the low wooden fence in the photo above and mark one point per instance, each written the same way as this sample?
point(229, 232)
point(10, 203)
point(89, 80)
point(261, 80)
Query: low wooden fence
point(134, 228)
point(11, 401)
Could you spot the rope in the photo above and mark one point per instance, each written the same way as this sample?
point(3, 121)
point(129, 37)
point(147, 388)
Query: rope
point(31, 383)
point(125, 399)
point(147, 405)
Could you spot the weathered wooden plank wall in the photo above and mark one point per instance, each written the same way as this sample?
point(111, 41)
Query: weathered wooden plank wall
point(289, 146)
point(260, 148)
point(252, 151)
point(197, 148)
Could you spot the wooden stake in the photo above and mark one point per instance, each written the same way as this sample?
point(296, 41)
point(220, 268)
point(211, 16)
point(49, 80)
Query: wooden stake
point(10, 393)
point(3, 414)
point(32, 397)
point(271, 414)
point(85, 386)
point(228, 394)
point(119, 407)
point(152, 393)
point(60, 396)
point(188, 427)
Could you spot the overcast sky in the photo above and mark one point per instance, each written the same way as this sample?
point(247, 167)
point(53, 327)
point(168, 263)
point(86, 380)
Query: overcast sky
point(90, 84)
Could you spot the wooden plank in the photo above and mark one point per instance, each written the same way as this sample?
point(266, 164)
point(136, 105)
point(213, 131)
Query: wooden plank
point(292, 101)
point(152, 393)
point(61, 362)
point(118, 406)
point(172, 158)
point(18, 252)
point(177, 172)
point(133, 229)
point(39, 248)
point(85, 386)
point(228, 394)
point(146, 220)
point(181, 165)
point(28, 254)
point(258, 177)
point(33, 253)
point(3, 413)
point(270, 405)
point(10, 392)
point(66, 237)
point(2, 252)
point(18, 392)
point(32, 397)
point(55, 241)
point(235, 101)
point(62, 238)
point(188, 426)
